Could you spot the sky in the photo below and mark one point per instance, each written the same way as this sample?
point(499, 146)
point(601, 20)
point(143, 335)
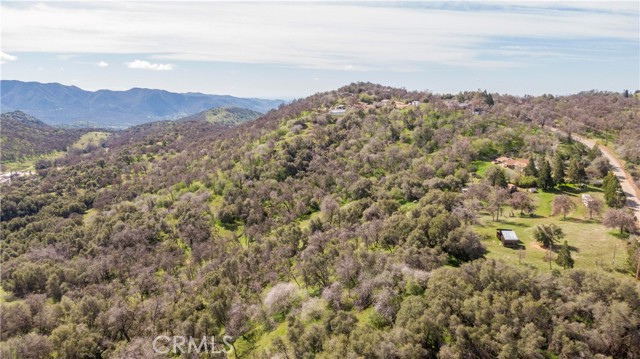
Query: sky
point(294, 49)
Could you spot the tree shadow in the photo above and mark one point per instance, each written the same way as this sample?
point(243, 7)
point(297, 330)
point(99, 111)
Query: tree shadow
point(594, 189)
point(532, 215)
point(576, 220)
point(509, 223)
point(517, 247)
point(571, 191)
point(617, 234)
point(590, 221)
point(572, 249)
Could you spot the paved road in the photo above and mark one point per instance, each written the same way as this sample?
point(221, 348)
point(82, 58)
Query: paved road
point(626, 181)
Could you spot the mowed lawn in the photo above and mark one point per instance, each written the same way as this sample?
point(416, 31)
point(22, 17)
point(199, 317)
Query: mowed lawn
point(593, 246)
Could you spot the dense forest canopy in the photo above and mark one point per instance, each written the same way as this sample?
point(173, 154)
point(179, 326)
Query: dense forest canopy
point(310, 234)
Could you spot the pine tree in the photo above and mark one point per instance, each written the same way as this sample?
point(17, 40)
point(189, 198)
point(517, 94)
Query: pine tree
point(594, 152)
point(558, 169)
point(545, 181)
point(488, 99)
point(564, 259)
point(576, 172)
point(496, 177)
point(613, 194)
point(531, 169)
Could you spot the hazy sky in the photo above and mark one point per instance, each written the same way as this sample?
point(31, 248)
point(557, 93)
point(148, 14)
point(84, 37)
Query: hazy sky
point(293, 49)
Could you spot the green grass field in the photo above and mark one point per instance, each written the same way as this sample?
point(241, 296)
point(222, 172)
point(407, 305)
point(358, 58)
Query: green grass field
point(481, 166)
point(90, 138)
point(28, 164)
point(593, 246)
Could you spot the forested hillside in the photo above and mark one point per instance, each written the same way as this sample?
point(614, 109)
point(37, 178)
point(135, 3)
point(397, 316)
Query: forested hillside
point(24, 136)
point(309, 232)
point(612, 117)
point(225, 115)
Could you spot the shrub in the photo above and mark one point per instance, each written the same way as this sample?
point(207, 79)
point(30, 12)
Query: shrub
point(312, 309)
point(280, 298)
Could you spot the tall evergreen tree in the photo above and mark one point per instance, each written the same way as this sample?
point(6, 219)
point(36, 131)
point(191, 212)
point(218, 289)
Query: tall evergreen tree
point(558, 169)
point(496, 177)
point(488, 99)
point(545, 181)
point(531, 169)
point(576, 172)
point(613, 194)
point(594, 152)
point(564, 259)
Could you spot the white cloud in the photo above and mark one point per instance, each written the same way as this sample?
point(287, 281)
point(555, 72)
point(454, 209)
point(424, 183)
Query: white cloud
point(146, 65)
point(4, 58)
point(102, 64)
point(313, 35)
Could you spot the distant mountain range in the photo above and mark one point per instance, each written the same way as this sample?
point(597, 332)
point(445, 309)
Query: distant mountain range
point(58, 104)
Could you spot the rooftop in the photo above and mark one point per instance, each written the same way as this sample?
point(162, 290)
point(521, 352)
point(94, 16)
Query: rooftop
point(508, 234)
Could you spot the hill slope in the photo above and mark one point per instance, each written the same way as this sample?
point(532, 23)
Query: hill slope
point(69, 105)
point(25, 136)
point(306, 234)
point(225, 115)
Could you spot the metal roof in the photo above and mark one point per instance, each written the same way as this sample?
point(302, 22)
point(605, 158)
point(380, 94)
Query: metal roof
point(509, 234)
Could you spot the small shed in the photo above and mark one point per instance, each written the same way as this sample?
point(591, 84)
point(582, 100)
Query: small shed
point(508, 237)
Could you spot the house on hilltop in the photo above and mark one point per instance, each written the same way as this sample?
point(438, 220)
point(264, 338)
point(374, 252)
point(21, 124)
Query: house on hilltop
point(339, 110)
point(517, 164)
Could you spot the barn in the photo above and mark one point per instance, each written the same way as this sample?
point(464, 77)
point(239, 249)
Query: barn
point(508, 237)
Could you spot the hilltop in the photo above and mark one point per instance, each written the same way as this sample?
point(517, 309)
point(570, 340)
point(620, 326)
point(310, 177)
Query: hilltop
point(359, 222)
point(58, 104)
point(25, 136)
point(225, 115)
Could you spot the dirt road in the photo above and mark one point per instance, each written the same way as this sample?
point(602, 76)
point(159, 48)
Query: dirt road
point(7, 176)
point(626, 181)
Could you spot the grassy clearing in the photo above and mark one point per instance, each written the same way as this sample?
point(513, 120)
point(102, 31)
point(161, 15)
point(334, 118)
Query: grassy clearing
point(305, 221)
point(263, 340)
point(3, 295)
point(482, 166)
point(29, 163)
point(90, 138)
point(593, 246)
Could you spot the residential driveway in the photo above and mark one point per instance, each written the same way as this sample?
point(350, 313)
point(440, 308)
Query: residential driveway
point(626, 181)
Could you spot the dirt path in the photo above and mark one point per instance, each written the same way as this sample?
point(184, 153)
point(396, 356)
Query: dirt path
point(626, 181)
